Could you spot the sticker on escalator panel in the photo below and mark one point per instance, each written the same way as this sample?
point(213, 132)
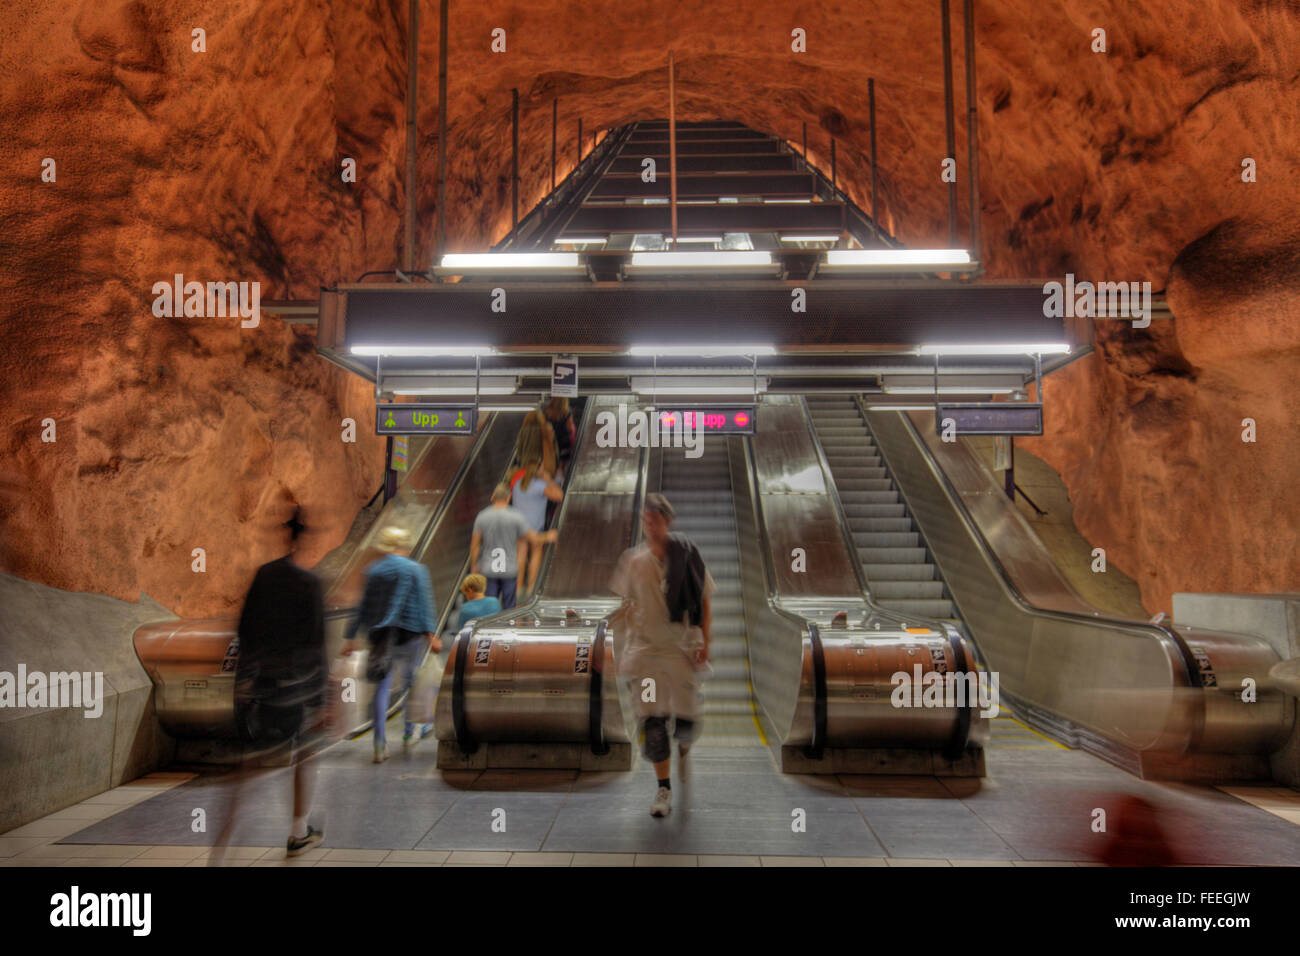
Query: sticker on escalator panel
point(482, 650)
point(232, 656)
point(582, 655)
point(940, 659)
point(1206, 667)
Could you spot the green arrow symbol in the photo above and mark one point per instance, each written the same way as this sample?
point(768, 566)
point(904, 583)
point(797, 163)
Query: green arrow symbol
point(460, 420)
point(390, 423)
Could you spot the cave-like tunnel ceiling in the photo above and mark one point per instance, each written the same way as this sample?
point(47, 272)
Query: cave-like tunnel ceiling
point(1116, 143)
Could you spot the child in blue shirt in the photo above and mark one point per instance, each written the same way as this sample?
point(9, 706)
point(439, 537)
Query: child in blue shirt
point(476, 605)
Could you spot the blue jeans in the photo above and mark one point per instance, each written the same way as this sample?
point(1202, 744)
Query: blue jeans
point(405, 659)
point(504, 589)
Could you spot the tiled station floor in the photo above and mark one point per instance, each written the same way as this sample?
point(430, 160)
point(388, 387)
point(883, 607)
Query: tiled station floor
point(1035, 807)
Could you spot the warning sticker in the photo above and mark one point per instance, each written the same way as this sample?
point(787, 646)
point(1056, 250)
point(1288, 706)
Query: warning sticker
point(482, 650)
point(582, 655)
point(1207, 668)
point(232, 656)
point(940, 658)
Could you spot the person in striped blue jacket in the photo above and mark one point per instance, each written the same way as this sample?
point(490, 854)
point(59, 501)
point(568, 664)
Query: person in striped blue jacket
point(398, 608)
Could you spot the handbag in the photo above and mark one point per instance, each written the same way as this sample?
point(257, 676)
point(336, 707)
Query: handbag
point(424, 692)
point(380, 659)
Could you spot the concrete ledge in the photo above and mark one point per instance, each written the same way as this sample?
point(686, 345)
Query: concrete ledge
point(51, 758)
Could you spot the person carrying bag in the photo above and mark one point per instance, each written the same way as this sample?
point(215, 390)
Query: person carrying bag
point(398, 608)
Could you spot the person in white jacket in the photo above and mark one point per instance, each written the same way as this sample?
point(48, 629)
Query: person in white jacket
point(663, 652)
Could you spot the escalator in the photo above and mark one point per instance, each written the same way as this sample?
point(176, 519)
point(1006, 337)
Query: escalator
point(899, 569)
point(193, 663)
point(534, 685)
point(700, 492)
point(1153, 699)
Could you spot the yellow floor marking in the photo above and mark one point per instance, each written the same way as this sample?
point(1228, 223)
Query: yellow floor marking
point(753, 708)
point(1054, 743)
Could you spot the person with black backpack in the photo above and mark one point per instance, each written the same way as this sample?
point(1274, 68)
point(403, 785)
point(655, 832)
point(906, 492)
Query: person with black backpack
point(662, 638)
point(398, 608)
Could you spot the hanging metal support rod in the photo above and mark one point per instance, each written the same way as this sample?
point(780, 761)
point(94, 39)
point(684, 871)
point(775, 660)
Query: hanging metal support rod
point(441, 241)
point(579, 140)
point(514, 153)
point(672, 143)
point(949, 122)
point(555, 119)
point(412, 69)
point(875, 190)
point(972, 132)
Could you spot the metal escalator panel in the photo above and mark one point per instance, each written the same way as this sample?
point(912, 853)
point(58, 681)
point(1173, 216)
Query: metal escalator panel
point(701, 495)
point(899, 571)
point(1132, 692)
point(534, 685)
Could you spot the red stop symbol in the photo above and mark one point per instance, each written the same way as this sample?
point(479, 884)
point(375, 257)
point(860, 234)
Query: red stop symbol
point(741, 419)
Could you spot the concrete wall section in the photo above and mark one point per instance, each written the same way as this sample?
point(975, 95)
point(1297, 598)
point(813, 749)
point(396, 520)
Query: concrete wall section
point(52, 757)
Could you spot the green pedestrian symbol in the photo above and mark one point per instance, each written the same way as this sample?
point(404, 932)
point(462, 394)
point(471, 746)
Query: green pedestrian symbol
point(390, 423)
point(460, 419)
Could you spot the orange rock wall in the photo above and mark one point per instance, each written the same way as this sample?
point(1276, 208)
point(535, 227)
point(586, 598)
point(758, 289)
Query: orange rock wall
point(225, 165)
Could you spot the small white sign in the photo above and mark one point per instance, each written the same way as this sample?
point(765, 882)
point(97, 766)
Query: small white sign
point(564, 376)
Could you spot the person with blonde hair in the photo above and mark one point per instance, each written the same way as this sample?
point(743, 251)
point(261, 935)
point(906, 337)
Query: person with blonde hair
point(477, 604)
point(536, 440)
point(398, 608)
point(533, 489)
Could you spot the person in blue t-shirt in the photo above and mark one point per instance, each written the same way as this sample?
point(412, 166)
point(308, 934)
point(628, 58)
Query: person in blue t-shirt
point(476, 603)
point(398, 608)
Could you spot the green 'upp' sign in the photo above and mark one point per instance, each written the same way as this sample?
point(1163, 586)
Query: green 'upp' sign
point(409, 418)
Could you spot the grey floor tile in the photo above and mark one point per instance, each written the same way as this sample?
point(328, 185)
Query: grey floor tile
point(468, 825)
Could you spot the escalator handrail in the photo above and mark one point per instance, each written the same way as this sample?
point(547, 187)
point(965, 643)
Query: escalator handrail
point(1166, 635)
point(804, 625)
point(465, 741)
point(817, 748)
point(595, 702)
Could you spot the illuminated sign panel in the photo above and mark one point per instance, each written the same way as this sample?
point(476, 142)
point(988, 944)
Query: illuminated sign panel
point(410, 418)
point(991, 418)
point(711, 419)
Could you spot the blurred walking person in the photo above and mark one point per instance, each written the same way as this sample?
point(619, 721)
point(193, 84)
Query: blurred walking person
point(280, 680)
point(398, 608)
point(663, 639)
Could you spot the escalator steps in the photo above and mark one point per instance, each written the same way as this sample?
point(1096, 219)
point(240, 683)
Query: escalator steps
point(887, 539)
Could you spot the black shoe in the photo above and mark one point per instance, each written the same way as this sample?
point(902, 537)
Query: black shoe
point(296, 846)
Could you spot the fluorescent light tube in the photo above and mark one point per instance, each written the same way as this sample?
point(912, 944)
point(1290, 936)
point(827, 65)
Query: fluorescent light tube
point(510, 260)
point(426, 351)
point(702, 350)
point(1044, 348)
point(718, 259)
point(899, 257)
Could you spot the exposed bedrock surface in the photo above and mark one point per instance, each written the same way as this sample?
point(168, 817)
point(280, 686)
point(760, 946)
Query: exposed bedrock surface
point(180, 433)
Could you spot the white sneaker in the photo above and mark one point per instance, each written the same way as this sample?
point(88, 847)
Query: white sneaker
point(663, 803)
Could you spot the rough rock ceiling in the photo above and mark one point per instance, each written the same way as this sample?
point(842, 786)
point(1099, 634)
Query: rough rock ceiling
point(175, 433)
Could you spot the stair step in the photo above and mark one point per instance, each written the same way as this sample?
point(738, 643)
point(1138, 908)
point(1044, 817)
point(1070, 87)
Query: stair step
point(891, 555)
point(912, 571)
point(923, 608)
point(921, 590)
point(887, 539)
